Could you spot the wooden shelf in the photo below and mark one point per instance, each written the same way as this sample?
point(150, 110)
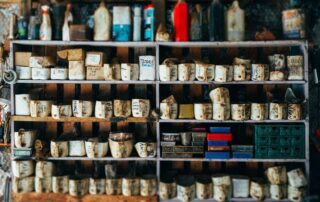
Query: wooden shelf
point(27, 197)
point(83, 82)
point(233, 82)
point(227, 121)
point(232, 199)
point(75, 119)
point(84, 158)
point(234, 160)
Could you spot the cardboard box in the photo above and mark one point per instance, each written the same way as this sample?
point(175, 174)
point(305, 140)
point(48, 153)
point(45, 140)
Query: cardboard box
point(79, 33)
point(77, 70)
point(95, 59)
point(95, 73)
point(72, 54)
point(22, 58)
point(41, 61)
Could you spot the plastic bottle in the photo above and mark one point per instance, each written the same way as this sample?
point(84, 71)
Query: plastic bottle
point(34, 25)
point(45, 28)
point(102, 23)
point(68, 18)
point(216, 21)
point(137, 23)
point(149, 22)
point(235, 23)
point(22, 28)
point(180, 21)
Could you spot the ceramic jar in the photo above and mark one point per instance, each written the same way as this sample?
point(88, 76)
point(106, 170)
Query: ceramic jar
point(61, 111)
point(129, 72)
point(186, 188)
point(22, 185)
point(221, 112)
point(140, 107)
point(59, 148)
point(148, 185)
point(168, 71)
point(296, 194)
point(24, 138)
point(108, 72)
point(294, 112)
point(122, 108)
point(113, 186)
point(168, 110)
point(167, 190)
point(97, 186)
point(130, 186)
point(43, 185)
point(40, 108)
point(22, 168)
point(259, 111)
point(223, 73)
point(78, 187)
point(204, 187)
point(77, 148)
point(42, 73)
point(24, 72)
point(221, 187)
point(247, 64)
point(186, 72)
point(277, 175)
point(239, 112)
point(96, 149)
point(204, 72)
point(277, 111)
point(297, 178)
point(81, 108)
point(146, 149)
point(220, 96)
point(22, 104)
point(121, 149)
point(295, 65)
point(60, 184)
point(239, 72)
point(258, 190)
point(240, 186)
point(277, 192)
point(203, 111)
point(260, 72)
point(103, 109)
point(44, 169)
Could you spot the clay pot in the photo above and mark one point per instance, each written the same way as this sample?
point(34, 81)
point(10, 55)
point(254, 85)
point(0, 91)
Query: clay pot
point(130, 186)
point(78, 187)
point(203, 111)
point(44, 169)
point(60, 184)
point(96, 149)
point(22, 185)
point(22, 168)
point(82, 108)
point(114, 186)
point(24, 139)
point(204, 187)
point(146, 149)
point(97, 186)
point(59, 111)
point(122, 108)
point(40, 108)
point(121, 149)
point(129, 72)
point(43, 185)
point(148, 185)
point(186, 72)
point(140, 107)
point(186, 188)
point(103, 109)
point(59, 148)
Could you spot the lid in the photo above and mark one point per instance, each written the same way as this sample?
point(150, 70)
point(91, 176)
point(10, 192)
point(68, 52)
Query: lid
point(149, 6)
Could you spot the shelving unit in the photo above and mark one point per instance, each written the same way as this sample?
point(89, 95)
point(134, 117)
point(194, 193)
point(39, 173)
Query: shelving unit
point(157, 90)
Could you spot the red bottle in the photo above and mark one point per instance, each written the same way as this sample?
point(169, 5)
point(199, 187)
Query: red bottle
point(180, 21)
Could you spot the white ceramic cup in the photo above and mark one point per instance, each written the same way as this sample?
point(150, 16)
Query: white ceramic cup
point(140, 107)
point(40, 108)
point(61, 111)
point(103, 109)
point(81, 108)
point(129, 72)
point(122, 108)
point(24, 138)
point(22, 104)
point(186, 72)
point(96, 149)
point(203, 111)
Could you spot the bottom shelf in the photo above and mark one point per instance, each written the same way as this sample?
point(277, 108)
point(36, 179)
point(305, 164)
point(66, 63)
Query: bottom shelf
point(232, 199)
point(27, 197)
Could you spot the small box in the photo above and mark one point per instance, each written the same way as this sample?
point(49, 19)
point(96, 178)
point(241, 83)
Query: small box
point(24, 72)
point(217, 155)
point(77, 70)
point(59, 73)
point(40, 73)
point(72, 54)
point(220, 130)
point(22, 152)
point(219, 136)
point(41, 61)
point(168, 144)
point(217, 143)
point(22, 58)
point(242, 155)
point(95, 59)
point(95, 73)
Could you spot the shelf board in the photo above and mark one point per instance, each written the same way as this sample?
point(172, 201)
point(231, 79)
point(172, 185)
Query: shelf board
point(84, 158)
point(75, 119)
point(83, 82)
point(233, 82)
point(234, 160)
point(232, 199)
point(144, 44)
point(226, 121)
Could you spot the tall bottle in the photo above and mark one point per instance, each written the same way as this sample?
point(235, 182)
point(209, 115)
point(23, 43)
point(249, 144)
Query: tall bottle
point(68, 19)
point(102, 23)
point(137, 19)
point(58, 10)
point(197, 24)
point(180, 19)
point(216, 21)
point(22, 28)
point(148, 24)
point(34, 25)
point(235, 23)
point(45, 28)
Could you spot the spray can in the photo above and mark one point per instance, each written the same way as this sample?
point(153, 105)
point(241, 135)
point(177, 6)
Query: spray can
point(149, 22)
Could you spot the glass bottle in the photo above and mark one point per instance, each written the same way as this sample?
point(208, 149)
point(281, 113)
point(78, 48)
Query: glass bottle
point(216, 21)
point(235, 23)
point(102, 23)
point(45, 28)
point(180, 19)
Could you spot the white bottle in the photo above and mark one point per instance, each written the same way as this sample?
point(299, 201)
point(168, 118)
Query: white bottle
point(102, 23)
point(137, 19)
point(45, 28)
point(235, 23)
point(68, 18)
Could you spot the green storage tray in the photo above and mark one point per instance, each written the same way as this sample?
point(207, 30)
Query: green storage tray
point(285, 140)
point(274, 152)
point(261, 152)
point(261, 140)
point(297, 152)
point(266, 129)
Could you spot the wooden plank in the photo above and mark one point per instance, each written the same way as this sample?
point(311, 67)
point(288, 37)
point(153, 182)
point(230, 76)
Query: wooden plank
point(86, 94)
point(51, 127)
point(68, 96)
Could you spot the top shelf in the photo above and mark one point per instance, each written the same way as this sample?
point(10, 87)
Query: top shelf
point(201, 44)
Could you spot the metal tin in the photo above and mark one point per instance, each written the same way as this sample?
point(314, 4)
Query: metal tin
point(277, 175)
point(238, 112)
point(114, 186)
point(148, 185)
point(293, 24)
point(296, 194)
point(277, 192)
point(78, 187)
point(97, 186)
point(22, 168)
point(140, 107)
point(239, 72)
point(43, 185)
point(204, 187)
point(167, 190)
point(130, 186)
point(59, 148)
point(129, 72)
point(40, 108)
point(277, 111)
point(186, 72)
point(186, 188)
point(24, 138)
point(81, 108)
point(221, 112)
point(24, 72)
point(96, 149)
point(23, 185)
point(77, 148)
point(204, 72)
point(103, 109)
point(42, 73)
point(146, 149)
point(297, 178)
point(294, 112)
point(59, 111)
point(22, 104)
point(203, 111)
point(121, 149)
point(59, 73)
point(60, 184)
point(276, 76)
point(258, 190)
point(295, 66)
point(240, 187)
point(260, 72)
point(247, 63)
point(186, 111)
point(122, 108)
point(220, 96)
point(258, 111)
point(44, 169)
